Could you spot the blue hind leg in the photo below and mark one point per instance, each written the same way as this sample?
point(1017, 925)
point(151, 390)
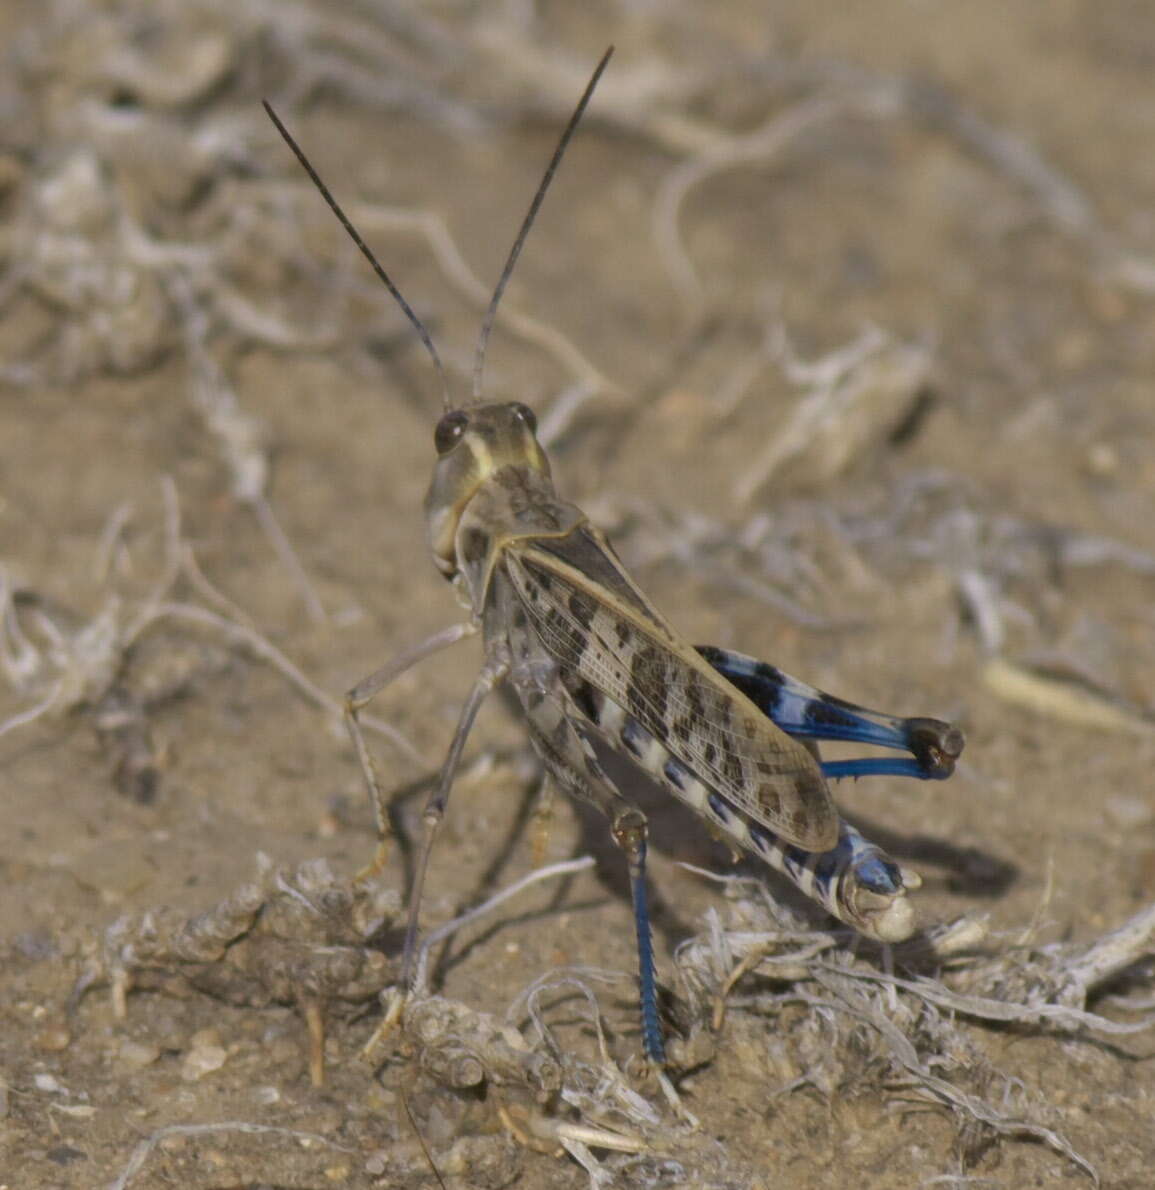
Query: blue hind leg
point(629, 831)
point(801, 710)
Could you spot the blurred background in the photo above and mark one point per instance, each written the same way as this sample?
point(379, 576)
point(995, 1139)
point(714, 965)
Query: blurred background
point(838, 318)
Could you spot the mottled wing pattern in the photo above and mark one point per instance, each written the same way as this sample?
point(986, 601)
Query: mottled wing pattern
point(703, 720)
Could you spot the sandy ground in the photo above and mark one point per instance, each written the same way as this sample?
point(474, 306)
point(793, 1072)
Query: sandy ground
point(861, 303)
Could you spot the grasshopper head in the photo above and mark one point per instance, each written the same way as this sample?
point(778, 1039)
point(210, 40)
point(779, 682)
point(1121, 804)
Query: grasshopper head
point(481, 447)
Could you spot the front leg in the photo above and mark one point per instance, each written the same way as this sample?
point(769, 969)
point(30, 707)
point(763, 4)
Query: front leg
point(495, 668)
point(356, 701)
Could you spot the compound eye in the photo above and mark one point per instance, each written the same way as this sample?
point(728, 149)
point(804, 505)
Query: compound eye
point(526, 415)
point(449, 430)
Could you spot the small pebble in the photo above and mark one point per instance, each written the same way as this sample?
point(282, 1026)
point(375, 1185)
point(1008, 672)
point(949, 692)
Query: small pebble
point(380, 1100)
point(53, 1038)
point(1102, 459)
point(136, 1054)
point(202, 1060)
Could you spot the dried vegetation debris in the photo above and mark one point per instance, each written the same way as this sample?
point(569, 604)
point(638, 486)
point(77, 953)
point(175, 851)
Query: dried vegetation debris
point(90, 202)
point(142, 648)
point(1011, 584)
point(146, 217)
point(557, 1081)
point(864, 1030)
point(900, 1027)
point(298, 937)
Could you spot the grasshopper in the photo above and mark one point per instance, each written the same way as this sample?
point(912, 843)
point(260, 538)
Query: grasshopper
point(597, 667)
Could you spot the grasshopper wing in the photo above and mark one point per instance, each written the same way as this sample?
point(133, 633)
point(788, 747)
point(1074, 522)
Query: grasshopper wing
point(600, 629)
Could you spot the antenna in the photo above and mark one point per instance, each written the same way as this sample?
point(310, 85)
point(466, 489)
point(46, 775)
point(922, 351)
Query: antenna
point(365, 250)
point(527, 222)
